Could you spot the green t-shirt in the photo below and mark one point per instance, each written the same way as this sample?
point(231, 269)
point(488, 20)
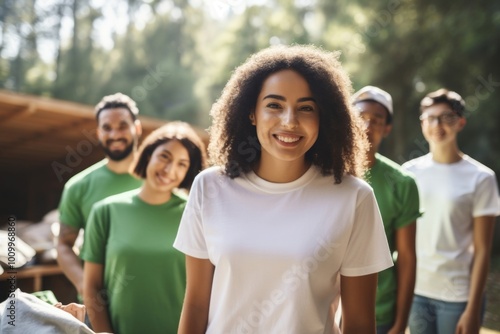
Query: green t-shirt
point(88, 187)
point(397, 197)
point(144, 276)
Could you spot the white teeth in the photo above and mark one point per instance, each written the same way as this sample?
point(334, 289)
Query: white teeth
point(288, 139)
point(164, 180)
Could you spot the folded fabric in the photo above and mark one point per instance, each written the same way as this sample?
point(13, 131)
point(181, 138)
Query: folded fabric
point(46, 296)
point(24, 313)
point(14, 252)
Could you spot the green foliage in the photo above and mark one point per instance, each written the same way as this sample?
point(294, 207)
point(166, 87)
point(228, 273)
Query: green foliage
point(414, 47)
point(174, 57)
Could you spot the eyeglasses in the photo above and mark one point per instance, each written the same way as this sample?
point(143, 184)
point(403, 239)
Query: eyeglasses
point(446, 118)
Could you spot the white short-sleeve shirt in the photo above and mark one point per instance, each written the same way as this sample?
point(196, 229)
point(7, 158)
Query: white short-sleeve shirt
point(451, 196)
point(278, 248)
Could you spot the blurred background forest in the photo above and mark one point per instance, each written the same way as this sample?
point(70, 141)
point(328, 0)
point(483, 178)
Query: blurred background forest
point(174, 56)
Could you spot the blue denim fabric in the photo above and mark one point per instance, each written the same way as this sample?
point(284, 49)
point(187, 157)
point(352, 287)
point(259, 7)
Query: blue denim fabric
point(432, 316)
point(87, 320)
point(383, 329)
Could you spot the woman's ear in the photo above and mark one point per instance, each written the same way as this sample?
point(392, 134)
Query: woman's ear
point(252, 117)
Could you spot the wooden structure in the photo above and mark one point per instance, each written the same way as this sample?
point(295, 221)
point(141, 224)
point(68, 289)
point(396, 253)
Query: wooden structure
point(39, 278)
point(43, 142)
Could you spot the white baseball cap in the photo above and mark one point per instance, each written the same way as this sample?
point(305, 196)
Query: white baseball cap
point(371, 93)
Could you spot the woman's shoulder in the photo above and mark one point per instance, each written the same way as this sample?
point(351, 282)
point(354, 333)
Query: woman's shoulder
point(124, 198)
point(209, 174)
point(211, 171)
point(356, 183)
point(350, 183)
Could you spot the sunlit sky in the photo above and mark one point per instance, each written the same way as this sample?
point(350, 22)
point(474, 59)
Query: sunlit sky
point(115, 20)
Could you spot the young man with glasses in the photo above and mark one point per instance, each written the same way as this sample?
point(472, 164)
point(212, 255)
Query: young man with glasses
point(454, 236)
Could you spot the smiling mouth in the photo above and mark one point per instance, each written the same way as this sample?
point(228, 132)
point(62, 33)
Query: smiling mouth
point(114, 143)
point(116, 146)
point(438, 133)
point(164, 180)
point(288, 139)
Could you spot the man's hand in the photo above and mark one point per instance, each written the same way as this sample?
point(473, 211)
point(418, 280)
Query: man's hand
point(76, 310)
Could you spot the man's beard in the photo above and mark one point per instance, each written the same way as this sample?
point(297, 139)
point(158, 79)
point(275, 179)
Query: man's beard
point(117, 155)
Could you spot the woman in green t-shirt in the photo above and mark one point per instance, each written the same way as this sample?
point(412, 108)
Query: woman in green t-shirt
point(134, 280)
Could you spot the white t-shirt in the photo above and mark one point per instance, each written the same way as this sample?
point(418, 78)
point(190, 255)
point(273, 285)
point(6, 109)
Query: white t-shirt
point(277, 248)
point(451, 196)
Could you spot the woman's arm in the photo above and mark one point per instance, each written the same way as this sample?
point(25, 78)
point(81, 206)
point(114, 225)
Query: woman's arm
point(406, 271)
point(358, 304)
point(95, 302)
point(470, 321)
point(194, 316)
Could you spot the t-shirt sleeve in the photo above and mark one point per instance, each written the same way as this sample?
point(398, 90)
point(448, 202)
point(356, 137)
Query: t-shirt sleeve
point(190, 237)
point(367, 250)
point(409, 202)
point(96, 234)
point(69, 208)
point(486, 200)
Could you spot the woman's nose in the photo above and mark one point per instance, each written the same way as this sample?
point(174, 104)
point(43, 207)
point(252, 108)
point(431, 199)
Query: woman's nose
point(289, 118)
point(168, 168)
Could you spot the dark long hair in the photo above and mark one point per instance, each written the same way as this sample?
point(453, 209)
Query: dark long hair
point(182, 132)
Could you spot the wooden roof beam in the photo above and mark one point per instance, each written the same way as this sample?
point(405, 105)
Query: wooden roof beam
point(29, 110)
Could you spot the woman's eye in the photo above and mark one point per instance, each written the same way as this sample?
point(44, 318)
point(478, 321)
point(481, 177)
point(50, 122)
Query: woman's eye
point(273, 105)
point(306, 108)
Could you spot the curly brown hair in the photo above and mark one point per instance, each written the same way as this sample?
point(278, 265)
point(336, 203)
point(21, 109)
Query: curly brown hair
point(341, 145)
point(181, 132)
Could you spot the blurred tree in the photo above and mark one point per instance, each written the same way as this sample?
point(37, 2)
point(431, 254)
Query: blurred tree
point(60, 8)
point(414, 47)
point(75, 69)
point(175, 56)
point(19, 40)
point(6, 18)
point(152, 66)
point(257, 27)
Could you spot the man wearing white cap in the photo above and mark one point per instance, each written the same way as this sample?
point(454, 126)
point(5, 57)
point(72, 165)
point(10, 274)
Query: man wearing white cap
point(397, 196)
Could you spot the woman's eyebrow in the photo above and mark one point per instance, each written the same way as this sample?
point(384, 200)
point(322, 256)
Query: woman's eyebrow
point(274, 96)
point(303, 99)
point(282, 98)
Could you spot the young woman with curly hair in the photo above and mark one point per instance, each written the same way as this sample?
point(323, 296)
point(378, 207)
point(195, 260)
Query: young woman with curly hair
point(270, 228)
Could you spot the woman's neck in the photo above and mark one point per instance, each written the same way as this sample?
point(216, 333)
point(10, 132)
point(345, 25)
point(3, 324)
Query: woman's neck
point(153, 197)
point(281, 172)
